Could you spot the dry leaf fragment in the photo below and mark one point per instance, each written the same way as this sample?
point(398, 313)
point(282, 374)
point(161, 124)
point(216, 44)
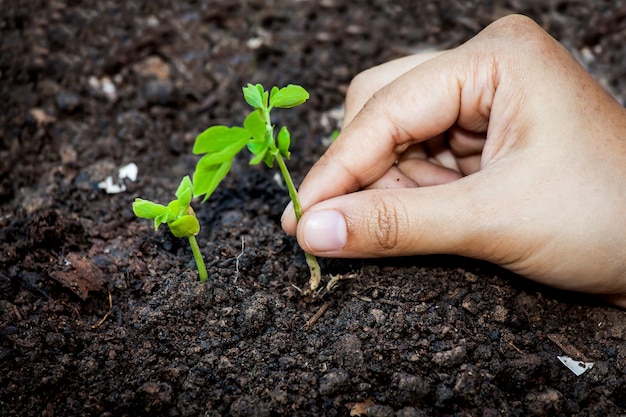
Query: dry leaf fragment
point(360, 409)
point(80, 276)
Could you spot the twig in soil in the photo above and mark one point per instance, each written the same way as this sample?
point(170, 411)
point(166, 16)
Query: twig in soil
point(516, 348)
point(106, 316)
point(17, 312)
point(307, 326)
point(243, 247)
point(566, 347)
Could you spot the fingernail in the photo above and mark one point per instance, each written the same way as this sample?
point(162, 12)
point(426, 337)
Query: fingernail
point(288, 209)
point(325, 231)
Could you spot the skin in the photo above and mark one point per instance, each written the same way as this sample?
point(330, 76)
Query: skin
point(504, 149)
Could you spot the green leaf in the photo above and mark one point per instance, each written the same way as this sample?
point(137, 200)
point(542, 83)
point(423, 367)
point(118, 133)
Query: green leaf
point(253, 94)
point(273, 93)
point(206, 178)
point(217, 138)
point(288, 97)
point(284, 141)
point(255, 125)
point(263, 94)
point(161, 219)
point(268, 158)
point(176, 209)
point(258, 149)
point(223, 156)
point(185, 191)
point(185, 226)
point(147, 209)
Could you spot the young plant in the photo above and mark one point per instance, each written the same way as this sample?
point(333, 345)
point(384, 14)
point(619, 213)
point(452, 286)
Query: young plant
point(220, 144)
point(179, 217)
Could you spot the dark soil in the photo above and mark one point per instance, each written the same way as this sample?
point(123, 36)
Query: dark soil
point(101, 316)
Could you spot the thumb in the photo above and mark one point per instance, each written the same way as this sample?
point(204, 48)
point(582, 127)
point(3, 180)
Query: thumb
point(398, 222)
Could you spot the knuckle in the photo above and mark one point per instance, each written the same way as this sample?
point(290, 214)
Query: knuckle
point(360, 90)
point(384, 224)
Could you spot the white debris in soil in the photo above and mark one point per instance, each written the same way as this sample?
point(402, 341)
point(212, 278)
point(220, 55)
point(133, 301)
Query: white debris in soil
point(126, 172)
point(577, 367)
point(105, 86)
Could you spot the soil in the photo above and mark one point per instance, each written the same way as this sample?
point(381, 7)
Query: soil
point(100, 315)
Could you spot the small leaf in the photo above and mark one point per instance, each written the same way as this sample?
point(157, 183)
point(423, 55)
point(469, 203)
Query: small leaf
point(176, 210)
point(147, 209)
point(185, 191)
point(273, 93)
point(185, 226)
point(253, 94)
point(255, 125)
point(207, 178)
point(224, 155)
point(287, 97)
point(263, 94)
point(216, 138)
point(284, 141)
point(258, 149)
point(161, 219)
point(268, 158)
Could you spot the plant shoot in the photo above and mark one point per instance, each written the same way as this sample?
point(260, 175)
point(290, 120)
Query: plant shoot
point(220, 144)
point(179, 217)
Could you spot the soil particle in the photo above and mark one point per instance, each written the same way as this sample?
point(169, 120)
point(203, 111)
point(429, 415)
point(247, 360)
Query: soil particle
point(452, 357)
point(91, 86)
point(380, 411)
point(408, 388)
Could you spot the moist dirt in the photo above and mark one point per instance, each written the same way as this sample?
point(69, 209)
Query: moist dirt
point(100, 315)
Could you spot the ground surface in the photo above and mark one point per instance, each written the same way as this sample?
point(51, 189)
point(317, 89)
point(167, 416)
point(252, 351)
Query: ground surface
point(90, 86)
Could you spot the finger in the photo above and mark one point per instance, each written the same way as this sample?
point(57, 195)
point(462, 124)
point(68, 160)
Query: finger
point(426, 173)
point(374, 223)
point(370, 144)
point(367, 83)
point(467, 148)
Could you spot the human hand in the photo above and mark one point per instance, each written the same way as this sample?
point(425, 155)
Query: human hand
point(504, 149)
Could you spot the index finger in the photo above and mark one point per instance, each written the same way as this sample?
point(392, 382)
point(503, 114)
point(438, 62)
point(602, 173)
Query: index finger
point(394, 118)
point(368, 82)
point(454, 88)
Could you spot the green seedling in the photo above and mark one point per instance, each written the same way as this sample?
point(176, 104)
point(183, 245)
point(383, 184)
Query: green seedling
point(179, 217)
point(220, 144)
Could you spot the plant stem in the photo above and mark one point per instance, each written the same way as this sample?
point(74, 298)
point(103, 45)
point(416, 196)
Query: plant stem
point(198, 257)
point(311, 260)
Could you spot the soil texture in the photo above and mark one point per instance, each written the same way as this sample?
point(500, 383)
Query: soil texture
point(100, 315)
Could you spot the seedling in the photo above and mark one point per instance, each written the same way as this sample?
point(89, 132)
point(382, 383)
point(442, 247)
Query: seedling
point(220, 144)
point(179, 217)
